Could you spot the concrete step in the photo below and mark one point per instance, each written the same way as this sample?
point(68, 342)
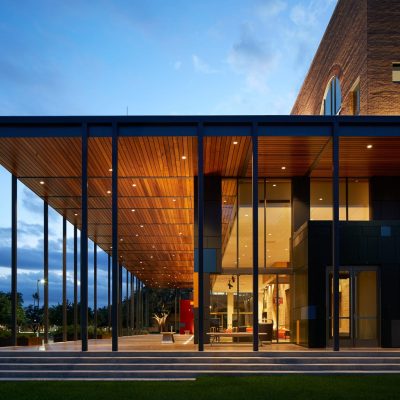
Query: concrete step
point(195, 367)
point(141, 360)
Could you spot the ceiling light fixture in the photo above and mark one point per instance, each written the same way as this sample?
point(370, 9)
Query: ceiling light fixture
point(183, 157)
point(283, 168)
point(133, 210)
point(274, 185)
point(235, 142)
point(108, 191)
point(41, 182)
point(109, 169)
point(369, 146)
point(320, 199)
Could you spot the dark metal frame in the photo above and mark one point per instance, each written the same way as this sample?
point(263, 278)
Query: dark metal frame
point(192, 126)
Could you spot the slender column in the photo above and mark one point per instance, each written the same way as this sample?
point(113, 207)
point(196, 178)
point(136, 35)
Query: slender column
point(115, 266)
point(137, 304)
point(75, 282)
point(14, 293)
point(95, 289)
point(132, 307)
point(46, 271)
point(109, 292)
point(64, 280)
point(200, 227)
point(127, 301)
point(175, 308)
point(335, 235)
point(120, 314)
point(141, 304)
point(84, 242)
point(255, 237)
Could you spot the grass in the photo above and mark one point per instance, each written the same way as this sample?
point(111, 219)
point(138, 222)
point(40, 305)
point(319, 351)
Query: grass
point(249, 388)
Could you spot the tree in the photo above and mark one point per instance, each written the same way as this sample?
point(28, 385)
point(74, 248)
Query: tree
point(5, 309)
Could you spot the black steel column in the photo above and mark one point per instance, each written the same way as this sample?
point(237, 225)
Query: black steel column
point(14, 293)
point(137, 304)
point(109, 292)
point(255, 236)
point(127, 300)
point(115, 266)
point(64, 280)
point(132, 307)
point(46, 271)
point(120, 313)
point(84, 242)
point(335, 235)
point(75, 282)
point(200, 227)
point(95, 289)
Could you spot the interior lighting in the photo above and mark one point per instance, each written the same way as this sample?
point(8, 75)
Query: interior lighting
point(41, 182)
point(369, 146)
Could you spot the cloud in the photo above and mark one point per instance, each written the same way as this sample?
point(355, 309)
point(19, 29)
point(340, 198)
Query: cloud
point(201, 66)
point(253, 58)
point(177, 65)
point(270, 8)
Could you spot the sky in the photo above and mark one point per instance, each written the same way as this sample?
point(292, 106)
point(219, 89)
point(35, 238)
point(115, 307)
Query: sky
point(153, 57)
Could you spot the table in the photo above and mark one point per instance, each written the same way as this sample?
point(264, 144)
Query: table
point(167, 337)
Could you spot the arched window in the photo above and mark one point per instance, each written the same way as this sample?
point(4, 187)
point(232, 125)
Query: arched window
point(332, 103)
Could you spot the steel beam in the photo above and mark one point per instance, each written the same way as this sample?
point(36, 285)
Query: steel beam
point(84, 241)
point(200, 227)
point(14, 289)
point(115, 265)
point(335, 235)
point(255, 236)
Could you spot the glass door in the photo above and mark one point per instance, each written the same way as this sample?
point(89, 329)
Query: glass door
point(358, 307)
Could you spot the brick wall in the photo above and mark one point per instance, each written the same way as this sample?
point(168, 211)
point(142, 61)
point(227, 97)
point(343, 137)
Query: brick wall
point(361, 41)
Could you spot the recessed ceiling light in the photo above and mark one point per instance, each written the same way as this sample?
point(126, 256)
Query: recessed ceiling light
point(224, 201)
point(108, 191)
point(134, 184)
point(183, 157)
point(173, 199)
point(141, 226)
point(140, 262)
point(320, 199)
point(153, 247)
point(246, 215)
point(274, 185)
point(173, 255)
point(151, 256)
point(137, 235)
point(41, 182)
point(235, 142)
point(110, 247)
point(269, 234)
point(369, 146)
point(121, 240)
point(110, 169)
point(133, 210)
point(76, 214)
point(180, 233)
point(283, 168)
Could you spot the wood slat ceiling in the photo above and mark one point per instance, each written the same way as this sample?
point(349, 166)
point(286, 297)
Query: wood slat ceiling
point(158, 184)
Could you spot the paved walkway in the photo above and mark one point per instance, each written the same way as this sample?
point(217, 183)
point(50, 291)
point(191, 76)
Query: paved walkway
point(182, 343)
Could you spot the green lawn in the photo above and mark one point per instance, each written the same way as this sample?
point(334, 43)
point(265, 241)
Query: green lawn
point(268, 388)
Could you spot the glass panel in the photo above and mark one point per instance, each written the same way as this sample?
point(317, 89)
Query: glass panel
point(344, 304)
point(283, 303)
point(245, 225)
point(243, 303)
point(268, 296)
point(229, 223)
point(366, 304)
point(358, 198)
point(321, 200)
point(278, 223)
point(261, 225)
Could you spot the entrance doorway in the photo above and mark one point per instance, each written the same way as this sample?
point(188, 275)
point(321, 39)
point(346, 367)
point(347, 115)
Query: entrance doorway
point(358, 306)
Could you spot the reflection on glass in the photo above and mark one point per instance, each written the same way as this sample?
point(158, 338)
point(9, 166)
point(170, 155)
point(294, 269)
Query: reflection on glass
point(274, 226)
point(357, 200)
point(366, 305)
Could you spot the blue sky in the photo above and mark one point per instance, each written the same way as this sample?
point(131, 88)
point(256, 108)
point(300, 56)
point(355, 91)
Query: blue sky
point(165, 57)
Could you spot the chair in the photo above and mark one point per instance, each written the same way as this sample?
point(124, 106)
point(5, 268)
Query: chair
point(265, 332)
